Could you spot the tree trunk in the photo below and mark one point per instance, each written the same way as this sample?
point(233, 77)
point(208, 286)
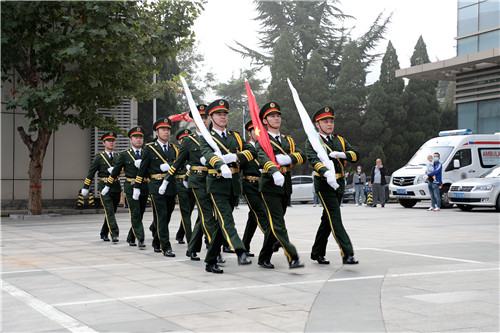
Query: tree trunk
point(37, 150)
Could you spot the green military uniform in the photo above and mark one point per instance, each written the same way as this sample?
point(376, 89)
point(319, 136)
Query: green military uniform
point(331, 220)
point(190, 152)
point(101, 164)
point(185, 197)
point(153, 157)
point(224, 192)
point(257, 216)
point(127, 163)
point(276, 197)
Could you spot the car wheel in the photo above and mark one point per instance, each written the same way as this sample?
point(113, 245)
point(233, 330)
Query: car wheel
point(497, 206)
point(465, 208)
point(445, 201)
point(407, 203)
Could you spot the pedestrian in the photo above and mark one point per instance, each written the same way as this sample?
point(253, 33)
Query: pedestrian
point(223, 182)
point(103, 164)
point(378, 183)
point(315, 194)
point(325, 182)
point(275, 185)
point(185, 198)
point(156, 160)
point(250, 185)
point(129, 161)
point(429, 167)
point(434, 183)
point(190, 153)
point(359, 181)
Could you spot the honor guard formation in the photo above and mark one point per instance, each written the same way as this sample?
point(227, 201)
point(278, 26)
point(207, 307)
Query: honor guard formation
point(211, 168)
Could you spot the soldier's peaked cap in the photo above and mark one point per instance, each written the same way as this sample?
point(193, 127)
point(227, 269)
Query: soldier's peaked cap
point(182, 134)
point(202, 110)
point(219, 105)
point(323, 113)
point(108, 135)
point(162, 122)
point(138, 130)
point(249, 126)
point(268, 109)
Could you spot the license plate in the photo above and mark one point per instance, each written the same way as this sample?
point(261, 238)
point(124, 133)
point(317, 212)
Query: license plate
point(401, 191)
point(458, 195)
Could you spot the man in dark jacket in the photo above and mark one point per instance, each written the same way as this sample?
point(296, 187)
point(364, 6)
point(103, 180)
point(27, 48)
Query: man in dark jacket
point(378, 183)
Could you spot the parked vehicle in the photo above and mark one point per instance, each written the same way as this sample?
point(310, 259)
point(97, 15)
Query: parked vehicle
point(302, 189)
point(462, 155)
point(483, 191)
point(348, 193)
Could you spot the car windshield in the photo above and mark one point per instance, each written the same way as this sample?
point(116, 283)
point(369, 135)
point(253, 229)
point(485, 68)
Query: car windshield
point(420, 157)
point(492, 173)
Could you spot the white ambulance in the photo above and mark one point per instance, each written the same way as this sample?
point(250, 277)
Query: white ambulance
point(463, 155)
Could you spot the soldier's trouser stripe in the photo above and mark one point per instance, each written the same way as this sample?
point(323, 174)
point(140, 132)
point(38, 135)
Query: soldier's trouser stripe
point(331, 223)
point(182, 220)
point(130, 215)
point(254, 213)
point(200, 211)
point(222, 222)
point(272, 229)
point(157, 221)
point(105, 214)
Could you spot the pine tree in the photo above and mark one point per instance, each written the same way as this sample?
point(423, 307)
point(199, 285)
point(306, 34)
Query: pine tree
point(384, 122)
point(315, 92)
point(350, 94)
point(421, 104)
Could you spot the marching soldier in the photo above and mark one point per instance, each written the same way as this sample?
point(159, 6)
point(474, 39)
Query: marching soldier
point(129, 161)
point(156, 160)
point(103, 164)
point(190, 152)
point(223, 182)
point(339, 151)
point(276, 186)
point(251, 174)
point(185, 198)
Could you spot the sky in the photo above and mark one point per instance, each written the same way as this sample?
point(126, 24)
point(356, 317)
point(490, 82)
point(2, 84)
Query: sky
point(225, 21)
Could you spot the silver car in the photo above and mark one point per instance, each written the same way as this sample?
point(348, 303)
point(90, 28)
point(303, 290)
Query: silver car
point(302, 189)
point(483, 191)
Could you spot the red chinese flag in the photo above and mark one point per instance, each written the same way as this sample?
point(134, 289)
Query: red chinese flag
point(180, 116)
point(260, 130)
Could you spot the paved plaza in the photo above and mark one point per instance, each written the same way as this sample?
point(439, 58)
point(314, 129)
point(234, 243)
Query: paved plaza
point(418, 271)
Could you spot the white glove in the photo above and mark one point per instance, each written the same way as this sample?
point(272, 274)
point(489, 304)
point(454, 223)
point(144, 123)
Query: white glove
point(219, 155)
point(188, 166)
point(203, 160)
point(226, 172)
point(279, 179)
point(337, 154)
point(185, 183)
point(137, 163)
point(85, 192)
point(136, 194)
point(163, 187)
point(331, 179)
point(110, 170)
point(229, 158)
point(105, 190)
point(164, 167)
point(283, 159)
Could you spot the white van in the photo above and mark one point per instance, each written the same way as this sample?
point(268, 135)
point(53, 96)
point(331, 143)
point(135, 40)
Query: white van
point(462, 154)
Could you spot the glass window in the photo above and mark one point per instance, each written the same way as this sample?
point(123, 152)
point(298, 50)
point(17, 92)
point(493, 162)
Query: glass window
point(464, 156)
point(463, 3)
point(489, 157)
point(488, 116)
point(467, 46)
point(467, 116)
point(296, 181)
point(489, 40)
point(489, 14)
point(468, 20)
point(307, 180)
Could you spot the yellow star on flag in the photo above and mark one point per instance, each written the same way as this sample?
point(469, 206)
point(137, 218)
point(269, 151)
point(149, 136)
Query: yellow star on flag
point(257, 131)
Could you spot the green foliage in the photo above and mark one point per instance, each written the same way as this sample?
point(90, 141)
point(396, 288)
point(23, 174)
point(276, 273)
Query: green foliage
point(316, 93)
point(85, 55)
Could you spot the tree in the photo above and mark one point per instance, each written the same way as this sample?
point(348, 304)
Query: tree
point(350, 93)
point(67, 59)
point(421, 104)
point(384, 123)
point(315, 92)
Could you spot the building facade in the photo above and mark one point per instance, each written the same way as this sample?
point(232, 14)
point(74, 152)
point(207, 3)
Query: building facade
point(475, 69)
